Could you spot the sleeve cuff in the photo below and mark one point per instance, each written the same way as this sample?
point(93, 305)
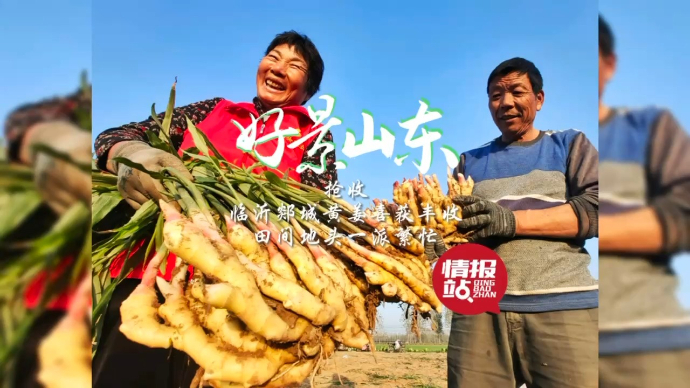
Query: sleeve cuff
point(675, 226)
point(587, 217)
point(13, 148)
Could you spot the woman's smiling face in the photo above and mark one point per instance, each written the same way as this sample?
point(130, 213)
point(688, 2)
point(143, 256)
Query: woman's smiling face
point(282, 78)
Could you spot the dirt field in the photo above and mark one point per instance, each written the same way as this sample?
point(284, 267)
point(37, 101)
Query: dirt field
point(357, 369)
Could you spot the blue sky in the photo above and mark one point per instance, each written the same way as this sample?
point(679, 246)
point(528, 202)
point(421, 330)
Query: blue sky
point(653, 50)
point(43, 53)
point(380, 59)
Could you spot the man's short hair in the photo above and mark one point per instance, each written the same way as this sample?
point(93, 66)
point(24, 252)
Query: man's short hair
point(520, 66)
point(606, 41)
point(306, 48)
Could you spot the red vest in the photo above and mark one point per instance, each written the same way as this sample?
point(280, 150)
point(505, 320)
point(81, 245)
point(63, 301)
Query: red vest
point(34, 290)
point(223, 134)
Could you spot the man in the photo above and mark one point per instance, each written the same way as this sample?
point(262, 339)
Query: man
point(645, 170)
point(535, 203)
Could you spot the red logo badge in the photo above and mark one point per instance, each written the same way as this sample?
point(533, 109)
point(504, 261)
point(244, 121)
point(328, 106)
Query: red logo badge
point(470, 279)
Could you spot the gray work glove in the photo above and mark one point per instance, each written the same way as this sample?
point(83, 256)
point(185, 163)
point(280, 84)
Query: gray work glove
point(484, 218)
point(60, 183)
point(435, 249)
point(137, 187)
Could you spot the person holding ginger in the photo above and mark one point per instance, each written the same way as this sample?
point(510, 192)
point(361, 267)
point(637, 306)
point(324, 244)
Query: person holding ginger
point(288, 76)
point(535, 202)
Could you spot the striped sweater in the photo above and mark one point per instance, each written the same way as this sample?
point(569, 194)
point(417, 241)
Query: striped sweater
point(645, 162)
point(556, 168)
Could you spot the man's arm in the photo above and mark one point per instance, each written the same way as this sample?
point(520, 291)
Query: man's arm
point(557, 222)
point(663, 227)
point(106, 142)
point(578, 218)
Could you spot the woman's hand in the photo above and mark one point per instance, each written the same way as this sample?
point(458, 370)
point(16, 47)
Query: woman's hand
point(135, 186)
point(60, 183)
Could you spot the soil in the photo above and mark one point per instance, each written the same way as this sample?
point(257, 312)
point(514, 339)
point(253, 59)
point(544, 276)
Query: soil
point(358, 369)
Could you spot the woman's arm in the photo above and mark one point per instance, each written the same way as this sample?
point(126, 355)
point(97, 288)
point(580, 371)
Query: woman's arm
point(330, 174)
point(20, 123)
point(196, 112)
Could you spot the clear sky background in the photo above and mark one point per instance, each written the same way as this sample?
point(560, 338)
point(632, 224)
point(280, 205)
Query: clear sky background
point(653, 53)
point(378, 58)
point(44, 46)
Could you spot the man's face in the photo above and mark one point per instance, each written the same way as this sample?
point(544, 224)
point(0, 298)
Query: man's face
point(513, 104)
point(607, 68)
point(281, 79)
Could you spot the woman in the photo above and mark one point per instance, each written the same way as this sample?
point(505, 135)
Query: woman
point(288, 76)
point(55, 122)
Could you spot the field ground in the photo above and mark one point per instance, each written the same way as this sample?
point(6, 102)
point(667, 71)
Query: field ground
point(358, 369)
point(418, 348)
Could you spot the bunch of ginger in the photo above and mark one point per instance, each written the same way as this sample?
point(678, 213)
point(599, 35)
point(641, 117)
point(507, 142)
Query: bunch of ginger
point(264, 315)
point(426, 193)
point(267, 314)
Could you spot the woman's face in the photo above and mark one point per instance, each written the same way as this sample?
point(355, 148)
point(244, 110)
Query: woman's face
point(282, 78)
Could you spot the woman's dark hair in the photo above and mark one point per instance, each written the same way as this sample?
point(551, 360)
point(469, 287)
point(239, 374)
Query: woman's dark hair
point(306, 48)
point(520, 66)
point(606, 40)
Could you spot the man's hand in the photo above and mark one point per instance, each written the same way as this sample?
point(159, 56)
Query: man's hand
point(484, 218)
point(60, 183)
point(434, 249)
point(135, 186)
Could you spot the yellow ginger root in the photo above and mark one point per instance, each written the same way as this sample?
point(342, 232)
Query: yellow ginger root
point(412, 246)
point(389, 250)
point(288, 376)
point(426, 195)
point(426, 207)
point(467, 187)
point(358, 308)
point(65, 353)
point(408, 188)
point(310, 274)
point(375, 274)
point(224, 295)
point(399, 196)
point(219, 362)
point(279, 263)
point(357, 316)
point(139, 312)
point(293, 297)
point(227, 329)
point(423, 290)
point(243, 240)
point(414, 266)
point(453, 186)
point(389, 289)
point(190, 243)
point(292, 376)
point(359, 282)
point(353, 337)
point(327, 264)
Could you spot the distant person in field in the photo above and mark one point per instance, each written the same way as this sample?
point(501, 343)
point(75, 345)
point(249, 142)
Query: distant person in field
point(645, 220)
point(535, 203)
